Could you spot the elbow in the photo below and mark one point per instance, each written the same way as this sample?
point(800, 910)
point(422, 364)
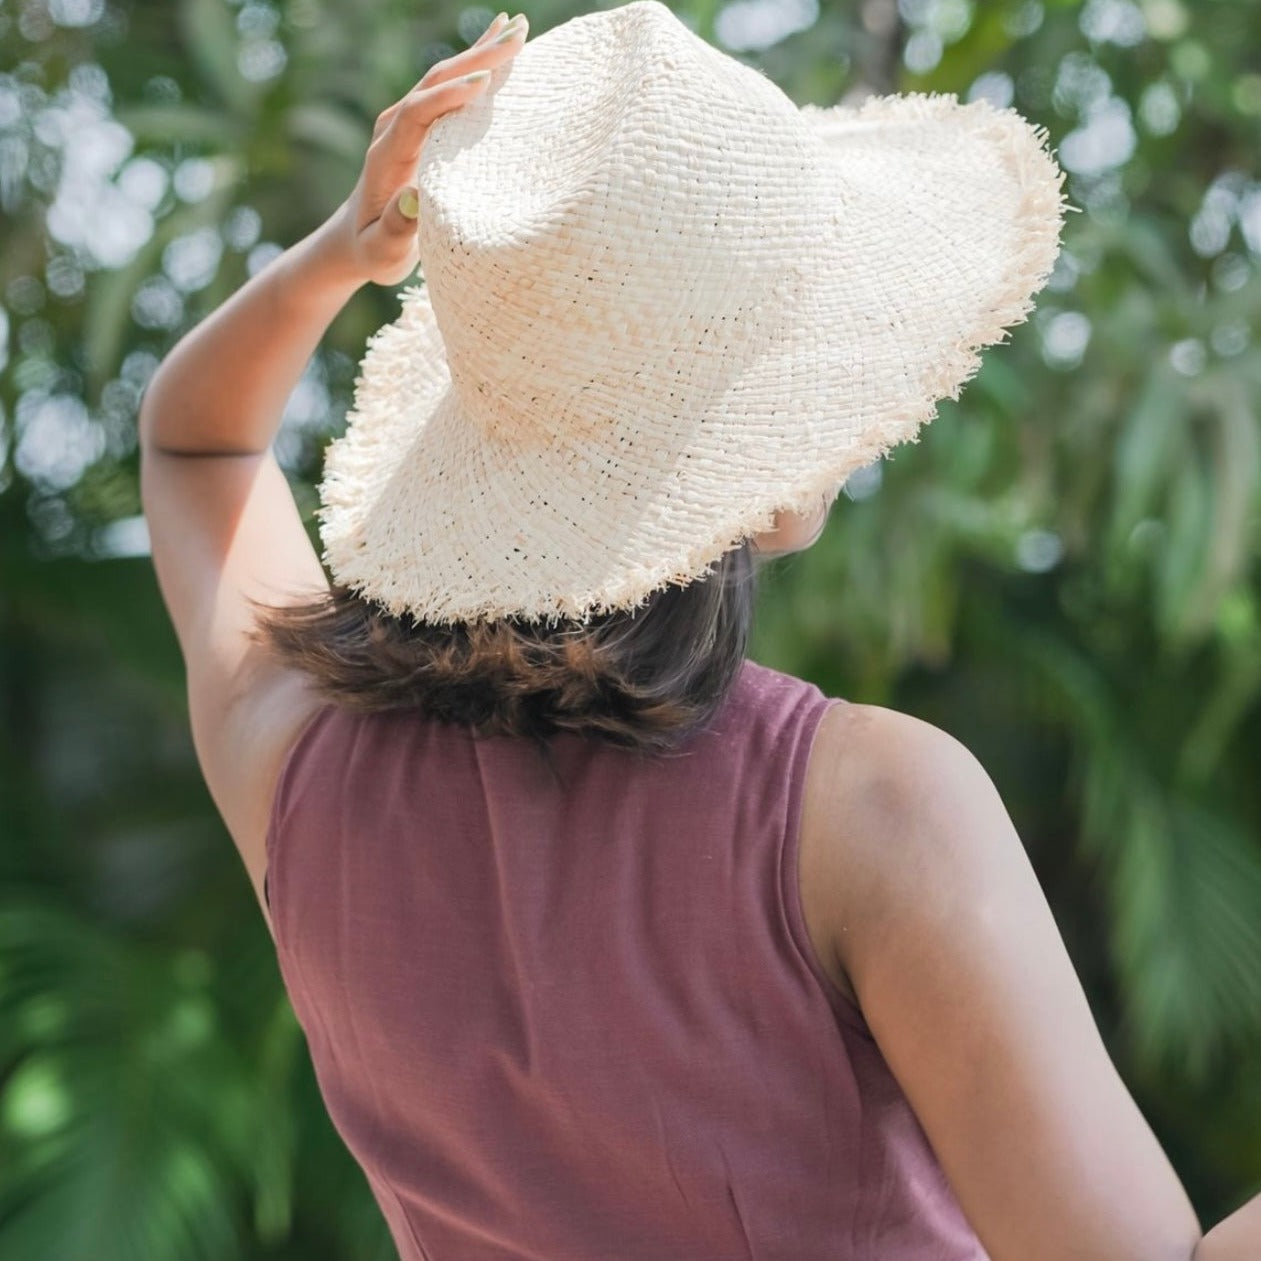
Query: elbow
point(1234, 1238)
point(145, 413)
point(155, 399)
point(1226, 1242)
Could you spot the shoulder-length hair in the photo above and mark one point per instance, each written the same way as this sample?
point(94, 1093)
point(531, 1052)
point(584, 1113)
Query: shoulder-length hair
point(641, 678)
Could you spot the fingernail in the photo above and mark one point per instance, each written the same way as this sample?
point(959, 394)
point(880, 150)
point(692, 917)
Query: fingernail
point(512, 30)
point(476, 79)
point(409, 203)
point(499, 17)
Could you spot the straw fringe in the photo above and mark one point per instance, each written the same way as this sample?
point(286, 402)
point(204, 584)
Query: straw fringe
point(393, 401)
point(1040, 218)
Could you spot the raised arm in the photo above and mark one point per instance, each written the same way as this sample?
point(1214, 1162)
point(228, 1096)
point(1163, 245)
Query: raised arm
point(222, 522)
point(942, 930)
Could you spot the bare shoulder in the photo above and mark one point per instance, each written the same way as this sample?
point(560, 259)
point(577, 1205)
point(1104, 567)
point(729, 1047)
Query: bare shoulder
point(922, 894)
point(882, 786)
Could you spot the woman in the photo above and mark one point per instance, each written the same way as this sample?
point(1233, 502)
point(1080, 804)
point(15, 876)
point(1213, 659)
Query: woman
point(607, 941)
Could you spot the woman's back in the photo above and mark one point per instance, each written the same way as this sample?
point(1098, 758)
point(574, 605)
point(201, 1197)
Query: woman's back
point(574, 1010)
point(580, 1018)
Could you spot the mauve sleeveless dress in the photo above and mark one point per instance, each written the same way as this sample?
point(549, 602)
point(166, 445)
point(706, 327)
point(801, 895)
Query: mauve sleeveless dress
point(572, 1013)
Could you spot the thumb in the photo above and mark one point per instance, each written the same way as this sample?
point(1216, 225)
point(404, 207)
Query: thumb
point(399, 219)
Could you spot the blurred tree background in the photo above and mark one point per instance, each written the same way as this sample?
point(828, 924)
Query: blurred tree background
point(1063, 572)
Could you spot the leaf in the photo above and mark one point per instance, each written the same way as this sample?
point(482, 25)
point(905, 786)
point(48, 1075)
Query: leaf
point(156, 1132)
point(1236, 477)
point(325, 126)
point(210, 38)
point(1190, 525)
point(1141, 241)
point(107, 318)
point(179, 123)
point(1188, 935)
point(1152, 438)
point(1001, 381)
point(1233, 696)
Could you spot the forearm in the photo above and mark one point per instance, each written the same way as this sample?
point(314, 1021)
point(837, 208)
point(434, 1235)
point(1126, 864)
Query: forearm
point(1234, 1238)
point(223, 388)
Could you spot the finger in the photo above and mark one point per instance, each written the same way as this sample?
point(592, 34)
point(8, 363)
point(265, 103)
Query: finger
point(398, 146)
point(419, 108)
point(500, 48)
point(394, 155)
point(497, 24)
point(462, 63)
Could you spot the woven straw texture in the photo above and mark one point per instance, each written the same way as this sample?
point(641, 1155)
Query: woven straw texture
point(657, 303)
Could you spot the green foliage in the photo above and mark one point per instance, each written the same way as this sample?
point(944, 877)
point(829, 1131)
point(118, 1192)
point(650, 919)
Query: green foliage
point(1062, 571)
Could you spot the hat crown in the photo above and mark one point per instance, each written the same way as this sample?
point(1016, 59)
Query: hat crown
point(617, 156)
point(661, 304)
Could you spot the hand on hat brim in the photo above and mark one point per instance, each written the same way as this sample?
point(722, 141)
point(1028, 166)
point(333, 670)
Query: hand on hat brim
point(374, 223)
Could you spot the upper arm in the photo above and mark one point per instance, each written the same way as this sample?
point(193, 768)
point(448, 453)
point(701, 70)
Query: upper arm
point(940, 924)
point(224, 528)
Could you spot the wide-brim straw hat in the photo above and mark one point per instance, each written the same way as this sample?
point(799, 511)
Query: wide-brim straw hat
point(659, 303)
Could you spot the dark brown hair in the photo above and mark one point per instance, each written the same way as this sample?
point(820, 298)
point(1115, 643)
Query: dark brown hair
point(641, 678)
